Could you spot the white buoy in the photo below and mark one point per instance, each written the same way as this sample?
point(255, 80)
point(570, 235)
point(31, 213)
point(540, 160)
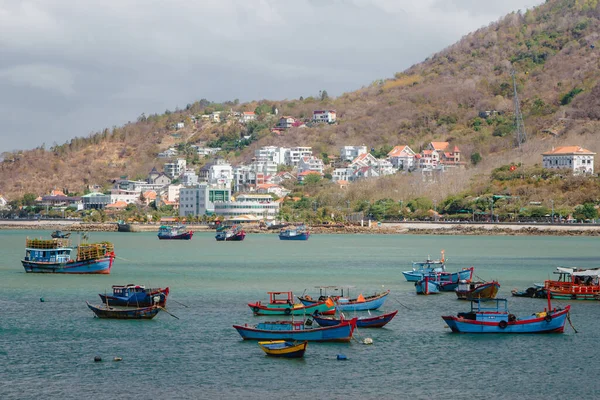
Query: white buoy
point(368, 341)
point(117, 359)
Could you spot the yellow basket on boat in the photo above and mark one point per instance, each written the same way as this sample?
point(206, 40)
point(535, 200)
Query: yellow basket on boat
point(541, 314)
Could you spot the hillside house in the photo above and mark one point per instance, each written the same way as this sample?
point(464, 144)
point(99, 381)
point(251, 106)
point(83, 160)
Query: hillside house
point(215, 117)
point(180, 125)
point(324, 116)
point(3, 203)
point(349, 153)
point(449, 157)
point(248, 116)
point(280, 177)
point(169, 153)
point(286, 122)
point(272, 153)
point(310, 163)
point(207, 151)
point(174, 169)
point(272, 188)
point(575, 158)
point(188, 178)
point(402, 157)
point(303, 175)
point(382, 166)
point(295, 153)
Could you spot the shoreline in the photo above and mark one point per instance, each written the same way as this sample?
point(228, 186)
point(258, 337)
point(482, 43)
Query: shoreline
point(415, 228)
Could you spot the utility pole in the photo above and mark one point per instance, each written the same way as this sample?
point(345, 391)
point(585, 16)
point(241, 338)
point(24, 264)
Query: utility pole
point(552, 215)
point(519, 125)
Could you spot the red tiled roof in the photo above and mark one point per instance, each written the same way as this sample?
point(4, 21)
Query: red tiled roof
point(569, 150)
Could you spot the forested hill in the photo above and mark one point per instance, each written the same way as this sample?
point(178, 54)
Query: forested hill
point(554, 50)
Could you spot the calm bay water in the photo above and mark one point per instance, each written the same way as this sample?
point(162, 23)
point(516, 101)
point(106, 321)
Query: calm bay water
point(47, 349)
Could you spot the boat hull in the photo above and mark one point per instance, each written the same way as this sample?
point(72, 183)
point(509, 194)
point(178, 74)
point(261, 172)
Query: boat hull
point(182, 236)
point(297, 309)
point(302, 236)
point(339, 333)
point(447, 277)
point(427, 287)
point(98, 266)
point(283, 349)
point(501, 324)
point(485, 291)
point(136, 313)
point(370, 303)
point(235, 238)
point(370, 322)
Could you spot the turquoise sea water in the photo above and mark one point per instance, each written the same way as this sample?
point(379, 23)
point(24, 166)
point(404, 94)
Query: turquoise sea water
point(47, 349)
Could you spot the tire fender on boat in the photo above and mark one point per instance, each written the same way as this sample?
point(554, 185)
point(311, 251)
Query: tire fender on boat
point(288, 311)
point(255, 309)
point(548, 318)
point(502, 324)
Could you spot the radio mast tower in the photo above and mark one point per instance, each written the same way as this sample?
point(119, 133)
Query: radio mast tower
point(519, 125)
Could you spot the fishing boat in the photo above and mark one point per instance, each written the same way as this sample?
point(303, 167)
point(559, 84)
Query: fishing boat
point(574, 284)
point(123, 226)
point(422, 268)
point(235, 234)
point(344, 303)
point(427, 286)
point(297, 330)
point(175, 232)
point(477, 290)
point(492, 316)
point(54, 256)
point(377, 321)
point(60, 235)
point(282, 303)
point(105, 311)
point(135, 295)
point(284, 349)
point(532, 291)
point(299, 232)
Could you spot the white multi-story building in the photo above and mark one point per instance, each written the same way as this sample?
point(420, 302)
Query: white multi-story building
point(220, 173)
point(248, 116)
point(310, 163)
point(349, 153)
point(402, 157)
point(206, 151)
point(296, 153)
point(258, 205)
point(169, 153)
point(342, 174)
point(172, 192)
point(264, 167)
point(127, 198)
point(201, 200)
point(272, 153)
point(574, 158)
point(174, 169)
point(188, 178)
point(328, 116)
point(244, 178)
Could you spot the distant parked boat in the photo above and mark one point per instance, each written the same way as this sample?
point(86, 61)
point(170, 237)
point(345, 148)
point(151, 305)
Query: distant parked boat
point(574, 284)
point(282, 348)
point(291, 232)
point(297, 330)
point(282, 303)
point(234, 234)
point(54, 256)
point(135, 296)
point(492, 316)
point(422, 268)
point(60, 235)
point(123, 226)
point(344, 303)
point(533, 291)
point(124, 313)
point(377, 321)
point(477, 290)
point(174, 232)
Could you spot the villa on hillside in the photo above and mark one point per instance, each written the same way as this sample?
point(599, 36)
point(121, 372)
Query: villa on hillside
point(349, 153)
point(248, 116)
point(575, 158)
point(402, 157)
point(326, 116)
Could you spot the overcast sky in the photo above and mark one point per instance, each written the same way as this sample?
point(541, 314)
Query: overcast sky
point(68, 68)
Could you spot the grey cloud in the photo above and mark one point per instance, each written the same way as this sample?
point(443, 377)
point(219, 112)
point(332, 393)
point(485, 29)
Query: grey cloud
point(68, 68)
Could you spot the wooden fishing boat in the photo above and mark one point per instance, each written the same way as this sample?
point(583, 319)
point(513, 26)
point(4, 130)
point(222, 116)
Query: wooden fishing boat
point(477, 290)
point(60, 235)
point(299, 232)
point(427, 286)
point(297, 330)
point(233, 234)
point(377, 321)
point(492, 316)
point(135, 296)
point(176, 232)
point(422, 268)
point(344, 303)
point(105, 311)
point(54, 256)
point(574, 284)
point(282, 348)
point(281, 303)
point(533, 291)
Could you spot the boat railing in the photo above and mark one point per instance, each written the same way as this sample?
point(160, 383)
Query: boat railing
point(47, 243)
point(92, 251)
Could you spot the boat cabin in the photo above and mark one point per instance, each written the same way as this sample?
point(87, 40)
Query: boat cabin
point(282, 326)
point(127, 290)
point(48, 251)
point(281, 298)
point(488, 310)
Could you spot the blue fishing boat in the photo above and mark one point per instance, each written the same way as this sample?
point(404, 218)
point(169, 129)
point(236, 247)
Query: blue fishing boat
point(492, 316)
point(60, 235)
point(284, 349)
point(427, 286)
point(344, 303)
point(54, 256)
point(177, 232)
point(125, 313)
point(282, 303)
point(422, 268)
point(299, 232)
point(297, 330)
point(135, 296)
point(377, 321)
